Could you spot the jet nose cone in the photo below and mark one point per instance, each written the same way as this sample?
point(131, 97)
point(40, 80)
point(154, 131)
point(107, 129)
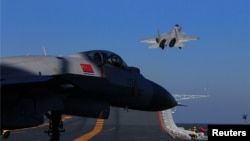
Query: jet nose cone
point(161, 99)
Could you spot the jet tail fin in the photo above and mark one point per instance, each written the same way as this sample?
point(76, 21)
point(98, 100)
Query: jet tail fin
point(158, 37)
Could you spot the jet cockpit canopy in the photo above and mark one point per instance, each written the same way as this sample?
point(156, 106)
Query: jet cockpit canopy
point(103, 57)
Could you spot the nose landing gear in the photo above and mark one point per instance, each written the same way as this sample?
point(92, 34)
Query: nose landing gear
point(55, 125)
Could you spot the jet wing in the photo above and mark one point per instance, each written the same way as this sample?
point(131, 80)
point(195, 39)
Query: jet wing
point(25, 80)
point(67, 78)
point(149, 40)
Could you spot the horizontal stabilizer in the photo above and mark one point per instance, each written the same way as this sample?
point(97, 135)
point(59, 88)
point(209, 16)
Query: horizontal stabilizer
point(149, 40)
point(179, 44)
point(153, 46)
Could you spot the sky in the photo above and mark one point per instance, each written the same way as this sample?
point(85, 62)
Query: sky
point(219, 61)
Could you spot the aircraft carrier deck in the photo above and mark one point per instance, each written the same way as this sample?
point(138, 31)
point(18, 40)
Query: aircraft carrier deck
point(122, 125)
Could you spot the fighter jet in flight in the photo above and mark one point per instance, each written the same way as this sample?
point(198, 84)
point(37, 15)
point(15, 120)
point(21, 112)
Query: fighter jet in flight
point(84, 84)
point(175, 38)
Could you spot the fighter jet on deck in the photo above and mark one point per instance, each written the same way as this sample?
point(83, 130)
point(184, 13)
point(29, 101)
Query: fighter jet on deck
point(175, 38)
point(83, 84)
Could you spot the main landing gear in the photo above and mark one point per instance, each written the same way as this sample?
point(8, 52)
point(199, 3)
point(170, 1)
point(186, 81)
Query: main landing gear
point(55, 125)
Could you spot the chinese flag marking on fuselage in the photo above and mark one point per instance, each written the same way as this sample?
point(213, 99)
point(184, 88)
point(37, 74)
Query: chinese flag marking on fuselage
point(87, 68)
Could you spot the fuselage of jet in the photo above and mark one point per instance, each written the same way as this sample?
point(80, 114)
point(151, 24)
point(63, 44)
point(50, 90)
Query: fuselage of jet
point(83, 84)
point(175, 38)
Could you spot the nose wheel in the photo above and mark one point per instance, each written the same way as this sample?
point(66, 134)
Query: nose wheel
point(55, 125)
